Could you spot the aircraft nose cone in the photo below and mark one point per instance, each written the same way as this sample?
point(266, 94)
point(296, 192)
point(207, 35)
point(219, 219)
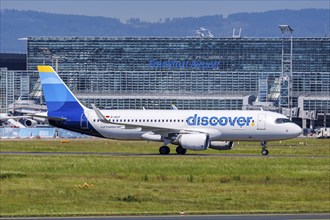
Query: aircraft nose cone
point(296, 130)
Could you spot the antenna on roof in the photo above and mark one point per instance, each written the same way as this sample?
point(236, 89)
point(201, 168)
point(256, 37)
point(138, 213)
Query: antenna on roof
point(237, 35)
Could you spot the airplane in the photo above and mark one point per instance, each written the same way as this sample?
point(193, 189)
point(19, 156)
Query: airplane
point(21, 121)
point(188, 129)
point(20, 114)
point(11, 120)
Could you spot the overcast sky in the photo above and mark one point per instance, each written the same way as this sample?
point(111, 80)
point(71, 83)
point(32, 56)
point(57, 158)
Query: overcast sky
point(154, 10)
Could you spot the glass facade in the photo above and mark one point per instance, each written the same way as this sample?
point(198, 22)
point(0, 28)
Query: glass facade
point(193, 73)
point(202, 103)
point(319, 104)
point(13, 85)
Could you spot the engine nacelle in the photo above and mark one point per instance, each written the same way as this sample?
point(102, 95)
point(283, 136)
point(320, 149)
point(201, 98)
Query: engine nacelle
point(195, 141)
point(222, 145)
point(30, 123)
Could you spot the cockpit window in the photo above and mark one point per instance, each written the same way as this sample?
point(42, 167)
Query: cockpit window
point(282, 120)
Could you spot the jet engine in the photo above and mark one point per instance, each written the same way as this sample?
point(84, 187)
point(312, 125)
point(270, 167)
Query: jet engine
point(195, 141)
point(222, 145)
point(30, 123)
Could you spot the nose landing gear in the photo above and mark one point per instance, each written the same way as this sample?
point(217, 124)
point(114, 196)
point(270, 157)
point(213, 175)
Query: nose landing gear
point(264, 150)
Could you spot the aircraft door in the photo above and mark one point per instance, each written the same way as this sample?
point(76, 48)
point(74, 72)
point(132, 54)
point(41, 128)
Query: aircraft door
point(83, 121)
point(262, 121)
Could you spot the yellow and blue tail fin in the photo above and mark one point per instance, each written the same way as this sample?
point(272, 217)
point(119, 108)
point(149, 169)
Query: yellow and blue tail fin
point(62, 104)
point(57, 95)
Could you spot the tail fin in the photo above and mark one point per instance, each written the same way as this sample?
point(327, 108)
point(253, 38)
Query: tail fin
point(59, 98)
point(64, 109)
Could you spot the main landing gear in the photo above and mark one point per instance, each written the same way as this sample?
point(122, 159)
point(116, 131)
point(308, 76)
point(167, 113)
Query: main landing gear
point(181, 150)
point(164, 150)
point(264, 150)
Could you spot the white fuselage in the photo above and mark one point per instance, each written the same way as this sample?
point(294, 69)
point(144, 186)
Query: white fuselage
point(220, 125)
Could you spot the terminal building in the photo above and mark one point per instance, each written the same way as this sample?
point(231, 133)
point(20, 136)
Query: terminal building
point(290, 75)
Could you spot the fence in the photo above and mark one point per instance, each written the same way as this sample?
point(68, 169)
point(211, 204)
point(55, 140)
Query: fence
point(6, 133)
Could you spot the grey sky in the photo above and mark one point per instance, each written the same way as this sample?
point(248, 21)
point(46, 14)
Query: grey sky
point(155, 10)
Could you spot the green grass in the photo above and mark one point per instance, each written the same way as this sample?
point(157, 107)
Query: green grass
point(34, 185)
point(289, 147)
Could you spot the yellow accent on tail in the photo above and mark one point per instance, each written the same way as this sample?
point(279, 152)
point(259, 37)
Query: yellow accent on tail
point(45, 69)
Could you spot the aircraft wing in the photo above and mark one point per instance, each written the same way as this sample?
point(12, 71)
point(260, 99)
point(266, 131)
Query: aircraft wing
point(32, 116)
point(3, 118)
point(44, 116)
point(160, 129)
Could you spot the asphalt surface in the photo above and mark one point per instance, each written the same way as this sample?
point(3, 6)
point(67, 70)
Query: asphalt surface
point(189, 217)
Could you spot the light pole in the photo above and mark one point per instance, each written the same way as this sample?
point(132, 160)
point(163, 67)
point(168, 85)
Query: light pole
point(286, 75)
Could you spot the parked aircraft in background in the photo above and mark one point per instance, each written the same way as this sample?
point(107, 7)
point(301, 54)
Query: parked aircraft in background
point(20, 114)
point(188, 129)
point(22, 121)
point(12, 121)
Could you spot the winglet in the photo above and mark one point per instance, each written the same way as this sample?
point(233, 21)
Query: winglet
point(99, 115)
point(174, 107)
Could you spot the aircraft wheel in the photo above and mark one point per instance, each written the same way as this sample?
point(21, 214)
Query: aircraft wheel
point(264, 152)
point(181, 150)
point(164, 150)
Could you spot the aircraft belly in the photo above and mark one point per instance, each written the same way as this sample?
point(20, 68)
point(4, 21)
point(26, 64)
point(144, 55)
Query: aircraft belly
point(241, 134)
point(121, 133)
